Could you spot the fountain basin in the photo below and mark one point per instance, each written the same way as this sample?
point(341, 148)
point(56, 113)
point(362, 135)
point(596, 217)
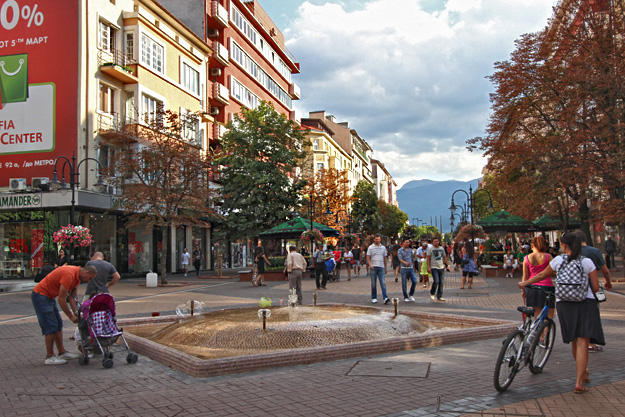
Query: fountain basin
point(232, 341)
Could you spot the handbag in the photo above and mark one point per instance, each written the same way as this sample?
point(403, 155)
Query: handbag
point(352, 261)
point(600, 295)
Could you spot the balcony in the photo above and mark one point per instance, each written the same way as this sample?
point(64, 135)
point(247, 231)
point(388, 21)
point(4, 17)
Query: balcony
point(115, 125)
point(218, 131)
point(294, 91)
point(219, 13)
point(221, 53)
point(118, 65)
point(221, 93)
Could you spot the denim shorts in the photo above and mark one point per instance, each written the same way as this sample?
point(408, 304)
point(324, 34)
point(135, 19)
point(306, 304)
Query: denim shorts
point(47, 313)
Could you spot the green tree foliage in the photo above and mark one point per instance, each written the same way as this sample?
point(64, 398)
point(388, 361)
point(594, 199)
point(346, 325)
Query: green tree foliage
point(393, 219)
point(260, 152)
point(365, 209)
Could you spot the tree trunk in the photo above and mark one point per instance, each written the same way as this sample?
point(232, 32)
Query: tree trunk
point(621, 239)
point(163, 254)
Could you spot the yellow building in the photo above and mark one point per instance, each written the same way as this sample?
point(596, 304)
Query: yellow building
point(326, 153)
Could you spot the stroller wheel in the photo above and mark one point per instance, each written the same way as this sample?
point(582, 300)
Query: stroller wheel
point(107, 363)
point(132, 358)
point(83, 360)
point(109, 354)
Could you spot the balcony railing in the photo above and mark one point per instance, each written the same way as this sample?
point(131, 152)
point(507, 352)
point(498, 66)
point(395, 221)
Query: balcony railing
point(118, 65)
point(115, 124)
point(221, 53)
point(221, 93)
point(219, 13)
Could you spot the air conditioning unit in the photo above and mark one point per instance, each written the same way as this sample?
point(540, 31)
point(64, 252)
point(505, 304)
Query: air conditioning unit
point(213, 33)
point(214, 111)
point(40, 182)
point(17, 184)
point(216, 72)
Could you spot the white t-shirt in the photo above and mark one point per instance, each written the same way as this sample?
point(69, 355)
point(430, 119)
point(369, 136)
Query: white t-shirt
point(421, 253)
point(587, 266)
point(185, 258)
point(509, 259)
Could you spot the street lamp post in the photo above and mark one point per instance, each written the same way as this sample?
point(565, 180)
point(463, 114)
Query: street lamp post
point(417, 220)
point(74, 178)
point(349, 219)
point(311, 211)
point(453, 207)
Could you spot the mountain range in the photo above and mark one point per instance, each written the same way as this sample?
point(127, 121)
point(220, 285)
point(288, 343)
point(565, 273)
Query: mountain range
point(429, 200)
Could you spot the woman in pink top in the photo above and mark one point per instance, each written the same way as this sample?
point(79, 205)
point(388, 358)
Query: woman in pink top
point(533, 264)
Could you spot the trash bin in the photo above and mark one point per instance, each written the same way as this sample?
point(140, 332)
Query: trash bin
point(151, 280)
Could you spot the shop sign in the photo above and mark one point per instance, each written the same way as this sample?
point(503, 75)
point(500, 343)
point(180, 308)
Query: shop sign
point(18, 201)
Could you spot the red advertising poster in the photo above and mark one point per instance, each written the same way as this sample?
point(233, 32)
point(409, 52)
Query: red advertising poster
point(36, 248)
point(38, 86)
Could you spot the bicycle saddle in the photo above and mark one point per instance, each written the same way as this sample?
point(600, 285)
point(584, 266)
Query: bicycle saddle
point(528, 311)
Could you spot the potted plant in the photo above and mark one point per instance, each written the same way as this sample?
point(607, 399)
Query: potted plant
point(313, 235)
point(73, 236)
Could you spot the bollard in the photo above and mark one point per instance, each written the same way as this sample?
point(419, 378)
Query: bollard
point(314, 298)
point(193, 304)
point(395, 301)
point(264, 320)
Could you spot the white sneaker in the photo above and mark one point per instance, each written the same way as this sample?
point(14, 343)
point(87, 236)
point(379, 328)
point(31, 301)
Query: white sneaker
point(406, 300)
point(386, 300)
point(54, 360)
point(441, 299)
point(68, 355)
point(412, 298)
point(432, 297)
point(374, 301)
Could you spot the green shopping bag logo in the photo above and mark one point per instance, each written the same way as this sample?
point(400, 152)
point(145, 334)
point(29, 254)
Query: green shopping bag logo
point(13, 78)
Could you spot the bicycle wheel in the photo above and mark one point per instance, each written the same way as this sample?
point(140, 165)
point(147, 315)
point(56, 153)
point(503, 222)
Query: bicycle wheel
point(542, 345)
point(507, 365)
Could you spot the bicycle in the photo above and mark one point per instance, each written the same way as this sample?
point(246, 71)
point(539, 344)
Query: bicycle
point(529, 345)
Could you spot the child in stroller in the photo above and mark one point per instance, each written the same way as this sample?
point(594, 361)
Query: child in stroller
point(331, 268)
point(99, 332)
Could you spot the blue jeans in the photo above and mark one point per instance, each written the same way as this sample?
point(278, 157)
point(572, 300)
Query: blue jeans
point(405, 273)
point(377, 273)
point(438, 276)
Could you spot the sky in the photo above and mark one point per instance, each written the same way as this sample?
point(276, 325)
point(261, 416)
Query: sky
point(408, 75)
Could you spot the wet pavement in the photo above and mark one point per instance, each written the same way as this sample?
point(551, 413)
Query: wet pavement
point(450, 380)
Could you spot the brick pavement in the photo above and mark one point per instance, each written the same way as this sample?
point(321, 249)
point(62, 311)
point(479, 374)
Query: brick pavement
point(460, 374)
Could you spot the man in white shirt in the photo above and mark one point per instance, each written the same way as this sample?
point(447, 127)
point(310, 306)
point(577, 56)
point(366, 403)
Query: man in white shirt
point(376, 259)
point(295, 266)
point(184, 261)
point(437, 263)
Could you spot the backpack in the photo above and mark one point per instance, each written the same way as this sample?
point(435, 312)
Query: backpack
point(571, 283)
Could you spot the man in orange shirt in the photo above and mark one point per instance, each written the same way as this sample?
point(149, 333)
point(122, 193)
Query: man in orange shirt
point(60, 283)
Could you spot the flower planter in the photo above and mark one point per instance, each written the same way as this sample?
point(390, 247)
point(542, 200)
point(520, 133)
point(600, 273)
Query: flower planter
point(268, 276)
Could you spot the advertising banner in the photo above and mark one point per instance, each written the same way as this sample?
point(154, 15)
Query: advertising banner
point(38, 86)
point(36, 248)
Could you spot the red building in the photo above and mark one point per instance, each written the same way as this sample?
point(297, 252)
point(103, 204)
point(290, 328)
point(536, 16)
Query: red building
point(250, 61)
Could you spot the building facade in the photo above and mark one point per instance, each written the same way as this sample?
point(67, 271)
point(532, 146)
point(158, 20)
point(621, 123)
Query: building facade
point(122, 60)
point(385, 185)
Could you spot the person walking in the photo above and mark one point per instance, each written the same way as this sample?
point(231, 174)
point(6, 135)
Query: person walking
point(348, 256)
point(437, 263)
point(469, 268)
point(395, 260)
point(295, 266)
point(406, 258)
point(356, 251)
point(596, 257)
point(376, 259)
point(580, 321)
point(610, 249)
point(261, 260)
point(533, 264)
point(422, 259)
point(320, 268)
point(184, 261)
point(106, 276)
point(198, 259)
point(60, 283)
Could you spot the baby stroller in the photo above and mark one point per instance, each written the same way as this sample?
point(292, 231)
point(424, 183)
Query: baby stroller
point(331, 268)
point(98, 330)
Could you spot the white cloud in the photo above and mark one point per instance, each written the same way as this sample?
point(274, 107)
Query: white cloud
point(410, 81)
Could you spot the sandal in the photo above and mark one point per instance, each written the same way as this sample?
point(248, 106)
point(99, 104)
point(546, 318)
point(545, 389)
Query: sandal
point(595, 348)
point(581, 390)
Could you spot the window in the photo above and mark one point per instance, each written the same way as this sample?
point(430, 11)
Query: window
point(190, 126)
point(151, 54)
point(190, 79)
point(243, 94)
point(316, 144)
point(130, 45)
point(319, 166)
point(105, 157)
point(106, 101)
point(152, 110)
point(107, 37)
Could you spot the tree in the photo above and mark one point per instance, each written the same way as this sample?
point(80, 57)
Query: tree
point(259, 154)
point(333, 186)
point(393, 219)
point(365, 210)
point(164, 178)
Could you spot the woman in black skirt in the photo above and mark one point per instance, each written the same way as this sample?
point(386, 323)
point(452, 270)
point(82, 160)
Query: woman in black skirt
point(580, 322)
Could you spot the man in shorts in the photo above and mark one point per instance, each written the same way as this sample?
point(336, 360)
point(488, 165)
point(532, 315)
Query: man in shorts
point(61, 283)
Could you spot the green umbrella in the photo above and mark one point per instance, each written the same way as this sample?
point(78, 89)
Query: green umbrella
point(294, 228)
point(548, 222)
point(507, 222)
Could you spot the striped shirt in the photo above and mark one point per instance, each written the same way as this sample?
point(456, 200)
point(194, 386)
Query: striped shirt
point(378, 254)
